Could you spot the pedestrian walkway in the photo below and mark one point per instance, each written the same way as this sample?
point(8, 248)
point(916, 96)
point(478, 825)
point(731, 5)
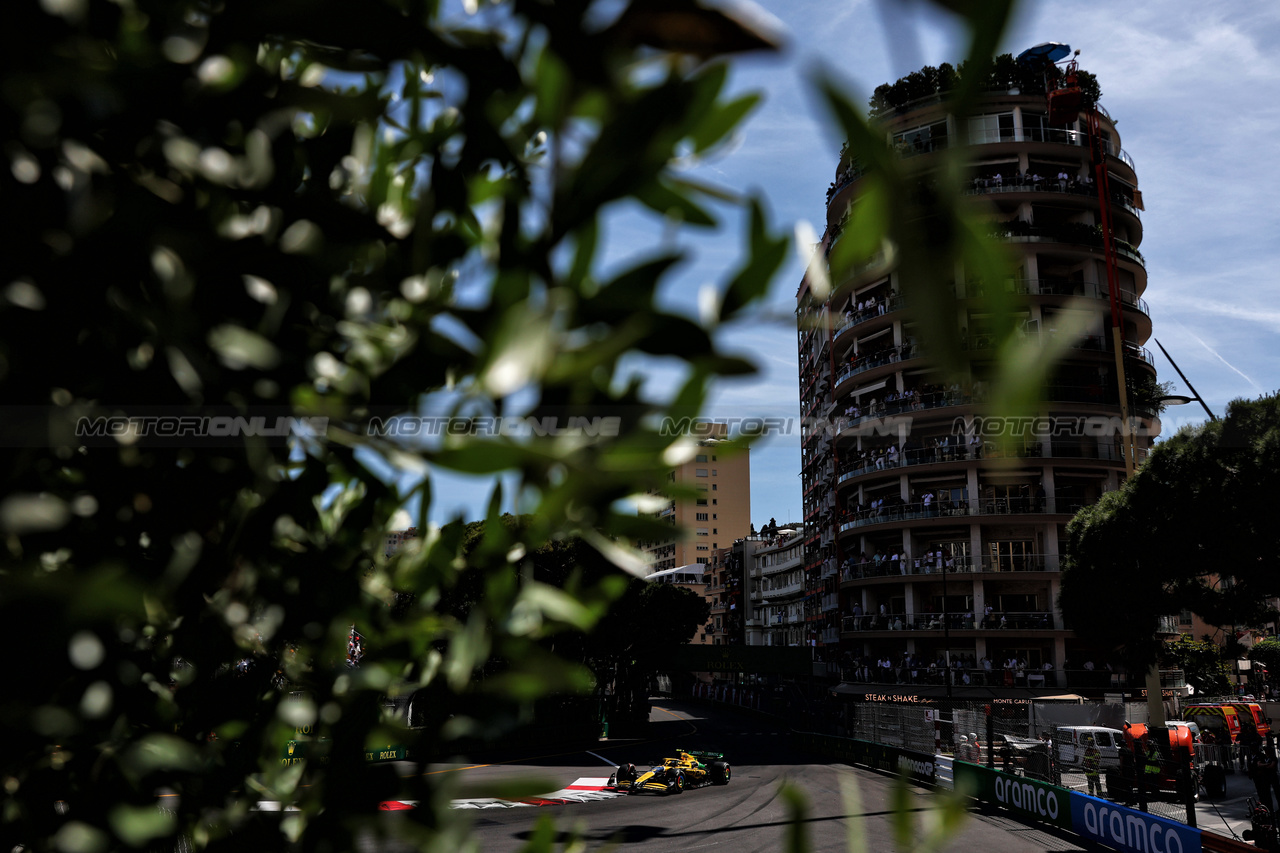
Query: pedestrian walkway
point(1228, 815)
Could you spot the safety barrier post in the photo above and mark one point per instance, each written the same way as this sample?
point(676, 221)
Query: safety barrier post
point(1186, 782)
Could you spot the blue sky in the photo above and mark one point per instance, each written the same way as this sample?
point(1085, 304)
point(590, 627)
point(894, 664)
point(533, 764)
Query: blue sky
point(1194, 89)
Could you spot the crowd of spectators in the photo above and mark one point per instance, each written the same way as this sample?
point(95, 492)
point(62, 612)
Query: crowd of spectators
point(964, 669)
point(1064, 181)
point(877, 356)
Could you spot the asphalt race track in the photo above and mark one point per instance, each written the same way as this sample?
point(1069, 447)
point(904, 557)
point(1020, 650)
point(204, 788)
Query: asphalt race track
point(747, 815)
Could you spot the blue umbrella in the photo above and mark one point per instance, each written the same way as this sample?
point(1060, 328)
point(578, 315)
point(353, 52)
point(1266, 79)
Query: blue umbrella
point(1044, 53)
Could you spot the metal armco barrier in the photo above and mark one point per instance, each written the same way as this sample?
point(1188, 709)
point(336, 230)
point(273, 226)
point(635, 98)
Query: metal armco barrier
point(1129, 829)
point(1213, 843)
point(1118, 827)
point(918, 766)
point(1027, 798)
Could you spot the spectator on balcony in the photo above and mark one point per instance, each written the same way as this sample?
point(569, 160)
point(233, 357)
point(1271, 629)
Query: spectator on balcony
point(1063, 178)
point(997, 180)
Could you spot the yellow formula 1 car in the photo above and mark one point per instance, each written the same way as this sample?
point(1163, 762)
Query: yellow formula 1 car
point(693, 769)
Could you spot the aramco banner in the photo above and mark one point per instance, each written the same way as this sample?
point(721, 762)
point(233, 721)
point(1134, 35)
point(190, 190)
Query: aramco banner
point(1118, 827)
point(1032, 800)
point(1129, 829)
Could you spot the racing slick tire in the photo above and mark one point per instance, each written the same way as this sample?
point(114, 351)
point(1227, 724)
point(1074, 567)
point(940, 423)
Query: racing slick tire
point(626, 773)
point(720, 772)
point(676, 785)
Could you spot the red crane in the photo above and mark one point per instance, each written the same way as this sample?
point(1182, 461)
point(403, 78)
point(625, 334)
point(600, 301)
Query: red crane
point(1065, 101)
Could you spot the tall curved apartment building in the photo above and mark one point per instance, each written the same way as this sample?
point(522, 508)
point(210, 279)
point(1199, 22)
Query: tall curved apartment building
point(931, 519)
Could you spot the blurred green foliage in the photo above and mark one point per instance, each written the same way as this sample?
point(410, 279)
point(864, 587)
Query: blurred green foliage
point(337, 210)
point(341, 210)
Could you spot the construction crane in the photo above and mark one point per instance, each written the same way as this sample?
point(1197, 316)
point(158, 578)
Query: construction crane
point(1065, 101)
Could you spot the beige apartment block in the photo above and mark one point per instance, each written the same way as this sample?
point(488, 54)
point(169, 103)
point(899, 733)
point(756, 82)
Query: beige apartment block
point(719, 514)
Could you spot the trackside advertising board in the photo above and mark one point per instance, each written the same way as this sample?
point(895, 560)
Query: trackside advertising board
point(1031, 800)
point(918, 766)
point(1129, 829)
point(1116, 826)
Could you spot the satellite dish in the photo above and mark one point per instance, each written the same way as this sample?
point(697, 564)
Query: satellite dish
point(1044, 53)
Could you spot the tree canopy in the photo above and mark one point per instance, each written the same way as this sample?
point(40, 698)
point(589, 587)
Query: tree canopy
point(1193, 529)
point(331, 214)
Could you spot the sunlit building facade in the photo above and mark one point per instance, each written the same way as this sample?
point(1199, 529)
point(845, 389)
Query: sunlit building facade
point(922, 536)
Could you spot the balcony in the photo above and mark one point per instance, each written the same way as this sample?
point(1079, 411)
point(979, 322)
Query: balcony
point(863, 363)
point(1050, 135)
point(916, 402)
point(962, 509)
point(892, 304)
point(1047, 185)
point(1054, 287)
point(1005, 564)
point(1018, 231)
point(1092, 682)
point(1034, 620)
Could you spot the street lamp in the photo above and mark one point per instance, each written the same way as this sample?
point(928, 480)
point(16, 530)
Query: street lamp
point(1180, 399)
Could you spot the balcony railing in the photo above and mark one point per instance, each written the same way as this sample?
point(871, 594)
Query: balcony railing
point(1052, 135)
point(1054, 287)
point(982, 186)
point(891, 304)
point(982, 450)
point(854, 571)
point(915, 403)
point(961, 509)
point(930, 673)
point(1077, 233)
point(1028, 620)
point(889, 355)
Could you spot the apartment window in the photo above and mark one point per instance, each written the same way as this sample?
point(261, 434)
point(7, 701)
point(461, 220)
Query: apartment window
point(701, 472)
point(702, 561)
point(713, 472)
point(702, 502)
point(991, 128)
point(929, 137)
point(702, 531)
point(713, 487)
point(701, 457)
point(713, 501)
point(1016, 555)
point(703, 548)
point(1184, 618)
point(713, 515)
point(713, 459)
point(714, 530)
point(702, 516)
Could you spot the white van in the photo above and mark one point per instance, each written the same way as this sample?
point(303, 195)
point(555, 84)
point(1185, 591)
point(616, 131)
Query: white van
point(1070, 742)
